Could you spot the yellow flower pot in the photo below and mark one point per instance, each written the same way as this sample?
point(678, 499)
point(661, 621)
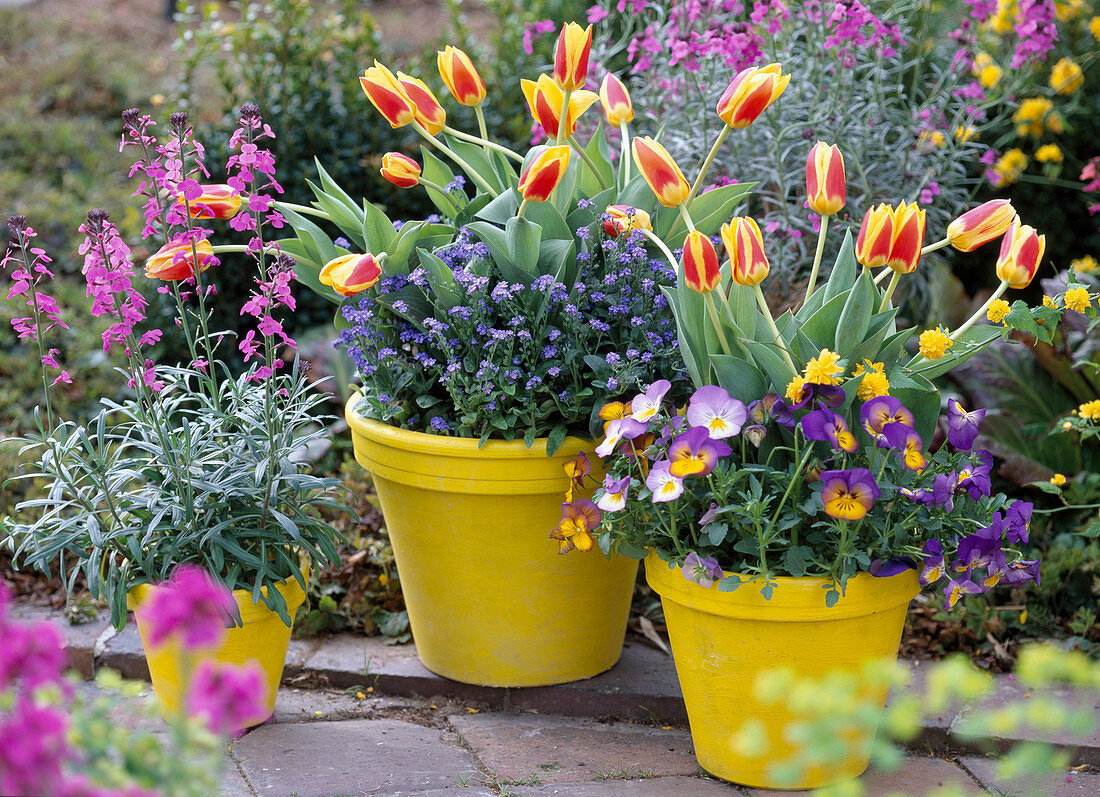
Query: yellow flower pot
point(262, 637)
point(721, 642)
point(489, 599)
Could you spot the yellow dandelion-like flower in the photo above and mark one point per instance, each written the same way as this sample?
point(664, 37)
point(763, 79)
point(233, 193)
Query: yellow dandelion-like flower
point(1077, 299)
point(997, 311)
point(1055, 123)
point(1067, 425)
point(934, 343)
point(1058, 479)
point(1066, 77)
point(1090, 410)
point(795, 389)
point(1048, 153)
point(1049, 302)
point(1029, 117)
point(873, 385)
point(823, 369)
point(965, 132)
point(1085, 265)
point(1010, 166)
point(933, 138)
point(1094, 27)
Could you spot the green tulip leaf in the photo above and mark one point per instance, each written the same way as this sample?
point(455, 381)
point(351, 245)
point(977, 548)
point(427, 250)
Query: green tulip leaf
point(740, 378)
point(855, 318)
point(845, 269)
point(378, 231)
point(711, 210)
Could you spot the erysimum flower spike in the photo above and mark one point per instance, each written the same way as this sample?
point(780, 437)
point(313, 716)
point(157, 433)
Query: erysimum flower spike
point(191, 608)
point(351, 274)
point(825, 183)
point(460, 76)
point(660, 171)
point(386, 94)
point(848, 494)
point(176, 261)
point(694, 453)
point(750, 92)
point(714, 409)
point(571, 56)
point(579, 519)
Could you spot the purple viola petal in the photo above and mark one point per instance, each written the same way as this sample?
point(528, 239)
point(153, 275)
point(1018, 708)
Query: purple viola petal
point(645, 405)
point(995, 569)
point(907, 443)
point(824, 395)
point(675, 424)
point(1022, 571)
point(663, 485)
point(778, 409)
point(975, 550)
point(755, 434)
point(884, 568)
point(976, 481)
point(882, 410)
point(848, 494)
point(943, 490)
point(1018, 518)
point(713, 408)
point(703, 570)
point(934, 567)
point(710, 515)
point(918, 496)
point(963, 426)
point(614, 495)
point(695, 453)
point(619, 429)
point(956, 588)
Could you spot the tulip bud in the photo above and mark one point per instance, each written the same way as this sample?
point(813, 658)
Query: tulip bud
point(1021, 252)
point(752, 90)
point(401, 170)
point(660, 171)
point(624, 218)
point(386, 94)
point(545, 99)
point(351, 274)
point(215, 202)
point(571, 56)
point(176, 260)
point(891, 237)
point(825, 187)
point(460, 76)
point(542, 176)
point(745, 249)
point(701, 268)
point(981, 225)
point(615, 100)
point(429, 113)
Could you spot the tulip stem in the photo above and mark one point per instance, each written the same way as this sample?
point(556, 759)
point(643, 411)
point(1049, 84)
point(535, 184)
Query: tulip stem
point(664, 249)
point(584, 157)
point(485, 142)
point(760, 300)
point(817, 256)
point(682, 207)
point(935, 246)
point(477, 178)
point(706, 164)
point(626, 158)
point(442, 191)
point(889, 291)
point(708, 300)
point(981, 310)
point(563, 119)
point(308, 211)
point(882, 275)
point(522, 207)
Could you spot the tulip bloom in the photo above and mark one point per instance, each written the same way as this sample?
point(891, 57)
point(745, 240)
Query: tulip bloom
point(545, 99)
point(429, 113)
point(891, 236)
point(981, 225)
point(386, 94)
point(539, 180)
point(825, 185)
point(752, 90)
point(848, 494)
point(460, 76)
point(712, 408)
point(579, 520)
point(401, 170)
point(624, 218)
point(661, 172)
point(176, 261)
point(351, 274)
point(700, 260)
point(615, 101)
point(215, 202)
point(695, 453)
point(1021, 252)
point(571, 56)
point(745, 248)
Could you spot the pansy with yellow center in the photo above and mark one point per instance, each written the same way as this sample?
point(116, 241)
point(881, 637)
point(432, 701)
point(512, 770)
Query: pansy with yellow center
point(576, 469)
point(663, 485)
point(848, 494)
point(579, 519)
point(956, 588)
point(613, 410)
point(880, 411)
point(694, 453)
point(617, 430)
point(934, 566)
point(645, 405)
point(828, 426)
point(614, 493)
point(713, 408)
point(906, 442)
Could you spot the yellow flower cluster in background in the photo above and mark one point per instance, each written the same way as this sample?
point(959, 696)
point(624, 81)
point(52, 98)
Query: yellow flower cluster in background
point(1010, 166)
point(1090, 410)
point(1066, 77)
point(1049, 153)
point(1085, 265)
point(1029, 117)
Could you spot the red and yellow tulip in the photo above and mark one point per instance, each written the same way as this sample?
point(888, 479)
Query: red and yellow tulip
point(386, 94)
point(981, 225)
point(545, 100)
point(701, 268)
point(891, 236)
point(624, 218)
point(542, 176)
point(351, 274)
point(745, 249)
point(571, 56)
point(401, 170)
point(615, 101)
point(660, 171)
point(215, 202)
point(460, 76)
point(429, 113)
point(1021, 252)
point(825, 184)
point(750, 92)
point(176, 260)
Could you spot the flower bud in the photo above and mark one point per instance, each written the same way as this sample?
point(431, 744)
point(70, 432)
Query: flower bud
point(351, 274)
point(701, 269)
point(542, 176)
point(660, 171)
point(460, 76)
point(401, 170)
point(825, 185)
point(545, 99)
point(571, 56)
point(176, 260)
point(624, 218)
point(215, 202)
point(1021, 252)
point(615, 100)
point(752, 90)
point(745, 249)
point(891, 236)
point(981, 225)
point(429, 113)
point(386, 94)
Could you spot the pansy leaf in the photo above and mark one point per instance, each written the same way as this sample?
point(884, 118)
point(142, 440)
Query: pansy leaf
point(555, 439)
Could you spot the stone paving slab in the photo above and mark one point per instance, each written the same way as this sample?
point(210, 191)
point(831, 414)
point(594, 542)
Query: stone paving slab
point(553, 749)
point(653, 787)
point(1063, 784)
point(917, 776)
point(323, 759)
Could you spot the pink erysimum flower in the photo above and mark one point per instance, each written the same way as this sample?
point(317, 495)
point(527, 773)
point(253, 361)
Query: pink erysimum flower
point(703, 570)
point(645, 405)
point(614, 493)
point(191, 608)
point(712, 407)
point(617, 430)
point(663, 485)
point(694, 453)
point(229, 698)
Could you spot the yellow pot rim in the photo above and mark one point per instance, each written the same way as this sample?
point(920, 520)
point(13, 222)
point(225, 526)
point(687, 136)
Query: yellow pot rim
point(292, 592)
point(794, 599)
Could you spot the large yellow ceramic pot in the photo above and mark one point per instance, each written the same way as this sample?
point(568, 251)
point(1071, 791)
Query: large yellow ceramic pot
point(721, 641)
point(262, 638)
point(489, 599)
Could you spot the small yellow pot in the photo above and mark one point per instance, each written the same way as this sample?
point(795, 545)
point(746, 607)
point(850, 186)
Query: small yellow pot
point(489, 599)
point(721, 641)
point(262, 637)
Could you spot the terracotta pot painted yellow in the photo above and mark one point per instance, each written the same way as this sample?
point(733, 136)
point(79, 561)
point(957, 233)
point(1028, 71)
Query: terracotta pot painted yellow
point(721, 641)
point(490, 601)
point(262, 637)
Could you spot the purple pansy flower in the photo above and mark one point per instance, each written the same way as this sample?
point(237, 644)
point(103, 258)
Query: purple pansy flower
point(1018, 518)
point(956, 588)
point(906, 442)
point(848, 494)
point(614, 493)
point(703, 570)
point(918, 496)
point(645, 405)
point(713, 408)
point(962, 426)
point(882, 410)
point(663, 485)
point(755, 434)
point(619, 429)
point(884, 568)
point(694, 453)
point(776, 408)
point(1021, 572)
point(975, 480)
point(675, 424)
point(830, 396)
point(978, 549)
point(829, 426)
point(943, 490)
point(710, 515)
point(934, 566)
